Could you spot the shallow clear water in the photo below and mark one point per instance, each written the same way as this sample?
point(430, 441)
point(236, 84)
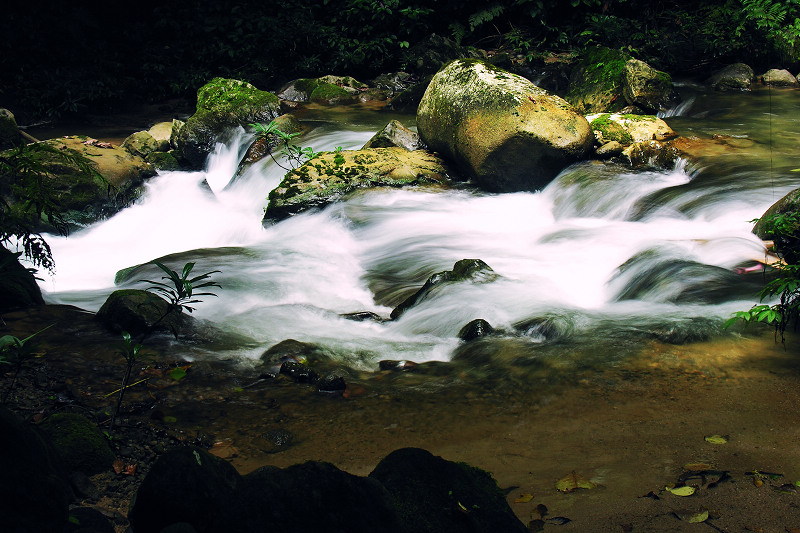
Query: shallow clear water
point(602, 257)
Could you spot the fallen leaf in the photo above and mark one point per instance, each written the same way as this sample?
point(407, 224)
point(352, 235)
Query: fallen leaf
point(572, 482)
point(178, 373)
point(717, 439)
point(681, 491)
point(693, 517)
point(524, 498)
point(697, 467)
point(118, 466)
point(224, 449)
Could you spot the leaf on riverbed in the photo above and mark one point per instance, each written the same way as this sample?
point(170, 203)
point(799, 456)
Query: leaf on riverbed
point(178, 373)
point(717, 439)
point(121, 468)
point(224, 449)
point(693, 517)
point(680, 491)
point(524, 497)
point(574, 481)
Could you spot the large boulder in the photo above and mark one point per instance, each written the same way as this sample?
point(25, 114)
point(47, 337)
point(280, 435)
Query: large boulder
point(736, 77)
point(779, 78)
point(331, 175)
point(222, 104)
point(83, 198)
point(607, 80)
point(501, 130)
point(433, 495)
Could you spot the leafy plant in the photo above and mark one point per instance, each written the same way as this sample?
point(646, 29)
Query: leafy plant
point(179, 289)
point(130, 351)
point(24, 177)
point(16, 351)
point(786, 287)
point(274, 136)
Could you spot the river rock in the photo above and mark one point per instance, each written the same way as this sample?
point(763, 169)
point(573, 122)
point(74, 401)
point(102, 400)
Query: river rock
point(9, 131)
point(787, 242)
point(395, 82)
point(141, 143)
point(162, 133)
point(395, 134)
point(779, 78)
point(263, 146)
point(475, 329)
point(140, 312)
point(473, 270)
point(645, 87)
point(184, 485)
point(499, 128)
point(84, 199)
point(331, 175)
point(628, 129)
point(164, 161)
point(79, 443)
point(407, 101)
point(222, 104)
point(735, 77)
point(434, 495)
point(18, 287)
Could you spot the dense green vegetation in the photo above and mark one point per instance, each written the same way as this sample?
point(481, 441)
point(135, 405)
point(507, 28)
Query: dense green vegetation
point(90, 55)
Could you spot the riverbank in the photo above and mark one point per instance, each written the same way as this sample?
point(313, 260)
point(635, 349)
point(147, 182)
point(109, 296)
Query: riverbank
point(630, 427)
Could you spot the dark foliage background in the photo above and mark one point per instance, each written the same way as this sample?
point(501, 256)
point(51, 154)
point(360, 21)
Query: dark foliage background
point(64, 58)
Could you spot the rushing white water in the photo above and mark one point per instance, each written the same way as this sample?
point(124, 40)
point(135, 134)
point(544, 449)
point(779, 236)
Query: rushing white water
point(601, 250)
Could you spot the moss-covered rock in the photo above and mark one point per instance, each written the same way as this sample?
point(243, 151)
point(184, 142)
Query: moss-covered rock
point(500, 129)
point(331, 175)
point(395, 134)
point(787, 240)
point(628, 129)
point(596, 81)
point(779, 78)
point(222, 104)
point(298, 90)
point(9, 132)
point(82, 198)
point(735, 77)
point(162, 133)
point(645, 87)
point(80, 444)
point(329, 93)
point(163, 161)
point(140, 143)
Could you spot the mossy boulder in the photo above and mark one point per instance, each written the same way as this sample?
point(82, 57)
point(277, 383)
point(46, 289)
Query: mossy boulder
point(298, 90)
point(395, 134)
point(163, 161)
point(162, 133)
point(330, 93)
point(645, 87)
point(501, 130)
point(735, 77)
point(139, 312)
point(785, 235)
point(628, 129)
point(596, 81)
point(434, 495)
point(79, 443)
point(9, 132)
point(140, 143)
point(331, 175)
point(222, 104)
point(18, 287)
point(83, 198)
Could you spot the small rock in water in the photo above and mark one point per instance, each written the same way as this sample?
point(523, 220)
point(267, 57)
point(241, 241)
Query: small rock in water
point(332, 383)
point(361, 316)
point(299, 372)
point(404, 366)
point(475, 329)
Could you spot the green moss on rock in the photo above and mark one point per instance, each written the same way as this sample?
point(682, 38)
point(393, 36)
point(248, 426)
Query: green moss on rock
point(80, 444)
point(596, 83)
point(328, 93)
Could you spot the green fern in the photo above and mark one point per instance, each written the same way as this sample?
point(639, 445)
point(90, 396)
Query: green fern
point(485, 15)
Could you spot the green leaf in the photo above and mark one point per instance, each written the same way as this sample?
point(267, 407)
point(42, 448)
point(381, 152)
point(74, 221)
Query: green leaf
point(680, 491)
point(716, 439)
point(177, 373)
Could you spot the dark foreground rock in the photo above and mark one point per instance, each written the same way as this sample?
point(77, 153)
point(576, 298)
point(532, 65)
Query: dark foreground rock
point(18, 287)
point(410, 491)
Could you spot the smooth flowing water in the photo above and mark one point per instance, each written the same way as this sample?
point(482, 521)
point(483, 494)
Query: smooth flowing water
point(600, 259)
